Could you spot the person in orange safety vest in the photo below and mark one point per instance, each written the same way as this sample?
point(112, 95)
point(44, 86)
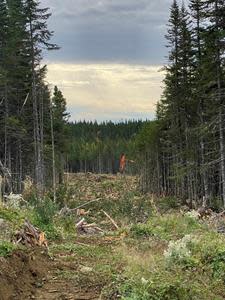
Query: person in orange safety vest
point(122, 163)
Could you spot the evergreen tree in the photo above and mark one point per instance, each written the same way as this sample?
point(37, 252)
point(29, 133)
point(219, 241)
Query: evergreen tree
point(191, 112)
point(60, 118)
point(39, 38)
point(24, 98)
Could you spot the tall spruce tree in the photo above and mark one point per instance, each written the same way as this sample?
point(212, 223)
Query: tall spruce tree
point(39, 38)
point(191, 111)
point(197, 13)
point(60, 118)
point(24, 97)
point(215, 35)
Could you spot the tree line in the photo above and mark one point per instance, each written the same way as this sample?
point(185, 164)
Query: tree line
point(183, 148)
point(37, 140)
point(97, 147)
point(32, 121)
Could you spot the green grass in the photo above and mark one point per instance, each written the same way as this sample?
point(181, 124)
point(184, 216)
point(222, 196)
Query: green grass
point(14, 216)
point(6, 248)
point(151, 262)
point(152, 275)
point(167, 227)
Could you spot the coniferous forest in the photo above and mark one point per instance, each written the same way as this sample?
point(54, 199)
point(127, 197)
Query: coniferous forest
point(130, 210)
point(31, 120)
point(181, 153)
point(37, 140)
point(97, 147)
point(183, 148)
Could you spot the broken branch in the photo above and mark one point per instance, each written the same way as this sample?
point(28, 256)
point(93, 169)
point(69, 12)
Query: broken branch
point(111, 220)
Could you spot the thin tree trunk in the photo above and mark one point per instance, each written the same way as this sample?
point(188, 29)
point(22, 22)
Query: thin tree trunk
point(5, 126)
point(221, 120)
point(53, 155)
point(37, 138)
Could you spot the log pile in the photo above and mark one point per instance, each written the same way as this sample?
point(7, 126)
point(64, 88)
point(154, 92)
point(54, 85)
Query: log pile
point(30, 236)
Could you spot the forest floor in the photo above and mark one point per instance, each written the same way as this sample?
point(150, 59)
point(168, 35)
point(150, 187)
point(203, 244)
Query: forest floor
point(160, 250)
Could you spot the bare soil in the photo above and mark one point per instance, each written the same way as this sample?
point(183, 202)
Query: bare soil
point(80, 273)
point(22, 273)
point(34, 275)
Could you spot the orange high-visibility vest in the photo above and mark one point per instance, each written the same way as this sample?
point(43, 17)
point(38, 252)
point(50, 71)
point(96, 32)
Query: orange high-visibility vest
point(122, 163)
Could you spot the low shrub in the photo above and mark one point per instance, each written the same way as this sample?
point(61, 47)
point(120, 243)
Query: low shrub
point(167, 227)
point(6, 248)
point(210, 251)
point(178, 250)
point(44, 211)
point(167, 203)
point(161, 287)
point(141, 230)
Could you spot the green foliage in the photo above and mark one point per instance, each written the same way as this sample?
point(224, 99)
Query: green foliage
point(179, 150)
point(64, 195)
point(167, 203)
point(141, 230)
point(44, 211)
point(14, 216)
point(216, 204)
point(148, 136)
point(97, 147)
point(9, 214)
point(68, 224)
point(209, 250)
point(191, 266)
point(159, 290)
point(6, 248)
point(167, 227)
point(52, 231)
point(24, 35)
point(217, 264)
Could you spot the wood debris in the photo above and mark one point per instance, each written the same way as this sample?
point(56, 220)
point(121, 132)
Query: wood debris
point(111, 220)
point(84, 228)
point(204, 212)
point(30, 236)
point(68, 211)
point(82, 212)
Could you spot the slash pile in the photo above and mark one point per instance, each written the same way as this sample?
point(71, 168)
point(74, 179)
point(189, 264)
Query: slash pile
point(30, 236)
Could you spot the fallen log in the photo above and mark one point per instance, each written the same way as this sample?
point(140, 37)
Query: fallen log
point(67, 211)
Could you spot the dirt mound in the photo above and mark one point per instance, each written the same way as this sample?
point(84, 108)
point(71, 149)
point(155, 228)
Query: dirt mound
point(22, 273)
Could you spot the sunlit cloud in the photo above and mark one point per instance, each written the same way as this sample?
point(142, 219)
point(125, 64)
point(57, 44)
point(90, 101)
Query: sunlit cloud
point(108, 91)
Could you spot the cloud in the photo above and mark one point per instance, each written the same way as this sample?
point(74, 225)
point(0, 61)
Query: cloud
point(124, 31)
point(108, 91)
point(110, 56)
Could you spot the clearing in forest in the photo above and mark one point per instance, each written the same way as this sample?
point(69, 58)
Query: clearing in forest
point(159, 251)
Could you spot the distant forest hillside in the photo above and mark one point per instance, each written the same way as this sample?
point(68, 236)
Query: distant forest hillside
point(97, 147)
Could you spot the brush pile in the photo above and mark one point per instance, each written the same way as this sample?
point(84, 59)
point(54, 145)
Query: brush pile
point(30, 236)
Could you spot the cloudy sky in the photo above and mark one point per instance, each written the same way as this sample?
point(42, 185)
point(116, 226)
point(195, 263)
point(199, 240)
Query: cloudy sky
point(110, 58)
